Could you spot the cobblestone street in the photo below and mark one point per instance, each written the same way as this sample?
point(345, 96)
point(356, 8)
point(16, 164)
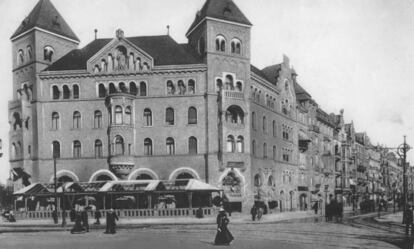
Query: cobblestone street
point(304, 233)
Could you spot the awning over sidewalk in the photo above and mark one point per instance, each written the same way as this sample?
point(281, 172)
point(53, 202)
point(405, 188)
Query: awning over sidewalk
point(132, 186)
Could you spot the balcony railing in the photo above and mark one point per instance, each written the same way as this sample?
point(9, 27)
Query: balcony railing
point(234, 95)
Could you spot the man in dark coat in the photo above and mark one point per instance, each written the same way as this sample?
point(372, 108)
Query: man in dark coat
point(84, 218)
point(98, 215)
point(223, 236)
point(77, 228)
point(253, 212)
point(315, 207)
point(110, 221)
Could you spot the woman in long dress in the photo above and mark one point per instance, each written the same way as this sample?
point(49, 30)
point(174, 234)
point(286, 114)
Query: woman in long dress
point(223, 237)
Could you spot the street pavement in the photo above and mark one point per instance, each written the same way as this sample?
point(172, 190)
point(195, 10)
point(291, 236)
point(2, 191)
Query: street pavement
point(305, 233)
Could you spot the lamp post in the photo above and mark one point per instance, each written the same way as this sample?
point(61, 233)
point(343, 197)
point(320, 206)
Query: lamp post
point(55, 187)
point(402, 152)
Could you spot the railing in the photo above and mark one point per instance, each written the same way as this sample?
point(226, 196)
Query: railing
point(234, 95)
point(123, 213)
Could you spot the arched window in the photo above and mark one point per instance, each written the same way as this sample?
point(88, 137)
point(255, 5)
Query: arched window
point(118, 114)
point(220, 43)
point(147, 117)
point(274, 127)
point(257, 180)
point(48, 52)
point(170, 146)
point(148, 147)
point(142, 89)
point(14, 151)
point(184, 175)
point(169, 116)
point(119, 146)
point(235, 114)
point(219, 84)
point(112, 88)
point(133, 88)
point(76, 120)
point(192, 145)
point(17, 121)
point(239, 86)
point(128, 115)
point(98, 148)
point(145, 66)
point(75, 91)
point(254, 120)
point(29, 52)
point(122, 87)
point(192, 115)
point(55, 121)
point(181, 87)
point(101, 91)
point(97, 119)
point(270, 181)
point(274, 152)
point(104, 65)
point(55, 149)
point(264, 150)
point(66, 92)
point(264, 124)
point(20, 56)
point(254, 148)
point(55, 92)
point(191, 86)
point(240, 144)
point(236, 46)
point(76, 149)
point(230, 144)
point(229, 82)
point(170, 87)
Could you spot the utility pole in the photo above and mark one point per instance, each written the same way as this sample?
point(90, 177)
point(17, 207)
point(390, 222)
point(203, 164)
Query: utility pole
point(55, 188)
point(402, 152)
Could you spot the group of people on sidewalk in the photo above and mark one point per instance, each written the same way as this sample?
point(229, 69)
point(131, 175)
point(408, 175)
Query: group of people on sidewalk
point(257, 212)
point(81, 219)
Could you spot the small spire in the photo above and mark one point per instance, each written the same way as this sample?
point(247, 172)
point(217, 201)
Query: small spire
point(168, 30)
point(96, 33)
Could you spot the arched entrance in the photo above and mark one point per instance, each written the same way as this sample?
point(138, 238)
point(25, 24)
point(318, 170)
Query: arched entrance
point(303, 202)
point(184, 175)
point(191, 172)
point(103, 175)
point(232, 185)
point(103, 178)
point(143, 174)
point(65, 176)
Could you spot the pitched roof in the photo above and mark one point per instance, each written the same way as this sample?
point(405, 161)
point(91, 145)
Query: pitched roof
point(44, 15)
point(221, 9)
point(272, 72)
point(163, 49)
point(301, 93)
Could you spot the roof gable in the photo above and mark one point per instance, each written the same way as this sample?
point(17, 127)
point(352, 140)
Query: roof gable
point(45, 16)
point(163, 50)
point(220, 9)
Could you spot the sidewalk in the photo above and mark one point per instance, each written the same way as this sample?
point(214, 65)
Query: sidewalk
point(391, 218)
point(236, 218)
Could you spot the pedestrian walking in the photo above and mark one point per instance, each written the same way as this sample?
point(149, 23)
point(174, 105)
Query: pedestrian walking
point(223, 236)
point(98, 215)
point(77, 227)
point(260, 211)
point(253, 212)
point(315, 207)
point(84, 218)
point(409, 221)
point(110, 221)
point(55, 216)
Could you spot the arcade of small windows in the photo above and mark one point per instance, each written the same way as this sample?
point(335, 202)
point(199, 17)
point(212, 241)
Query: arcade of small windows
point(220, 43)
point(270, 101)
point(235, 145)
point(121, 60)
point(287, 176)
point(122, 116)
point(229, 84)
point(48, 52)
point(170, 146)
point(287, 133)
point(287, 154)
point(121, 87)
point(181, 87)
point(67, 92)
point(235, 46)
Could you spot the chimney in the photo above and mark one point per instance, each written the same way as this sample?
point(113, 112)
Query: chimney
point(96, 34)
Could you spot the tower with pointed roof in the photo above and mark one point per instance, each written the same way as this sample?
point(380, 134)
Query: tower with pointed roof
point(40, 40)
point(220, 33)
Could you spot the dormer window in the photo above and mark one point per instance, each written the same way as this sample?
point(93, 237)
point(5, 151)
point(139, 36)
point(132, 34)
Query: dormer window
point(235, 46)
point(48, 52)
point(220, 43)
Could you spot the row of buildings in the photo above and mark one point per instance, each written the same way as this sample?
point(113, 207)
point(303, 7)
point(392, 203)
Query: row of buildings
point(133, 107)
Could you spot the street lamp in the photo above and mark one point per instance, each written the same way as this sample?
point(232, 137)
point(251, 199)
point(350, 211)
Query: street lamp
point(402, 152)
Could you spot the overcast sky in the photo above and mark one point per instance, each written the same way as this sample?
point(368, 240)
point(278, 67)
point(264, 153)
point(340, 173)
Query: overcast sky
point(350, 54)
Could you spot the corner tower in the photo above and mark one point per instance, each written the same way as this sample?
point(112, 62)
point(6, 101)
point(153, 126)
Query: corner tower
point(41, 39)
point(220, 34)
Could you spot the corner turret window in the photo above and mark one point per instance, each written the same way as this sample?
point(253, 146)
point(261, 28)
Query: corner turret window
point(20, 56)
point(48, 52)
point(118, 115)
point(220, 43)
point(235, 46)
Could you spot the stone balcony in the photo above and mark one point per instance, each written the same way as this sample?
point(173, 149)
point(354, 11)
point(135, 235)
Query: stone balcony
point(234, 95)
point(121, 165)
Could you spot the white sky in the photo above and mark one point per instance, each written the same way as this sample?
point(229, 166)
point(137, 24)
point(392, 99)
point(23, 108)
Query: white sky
point(351, 54)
